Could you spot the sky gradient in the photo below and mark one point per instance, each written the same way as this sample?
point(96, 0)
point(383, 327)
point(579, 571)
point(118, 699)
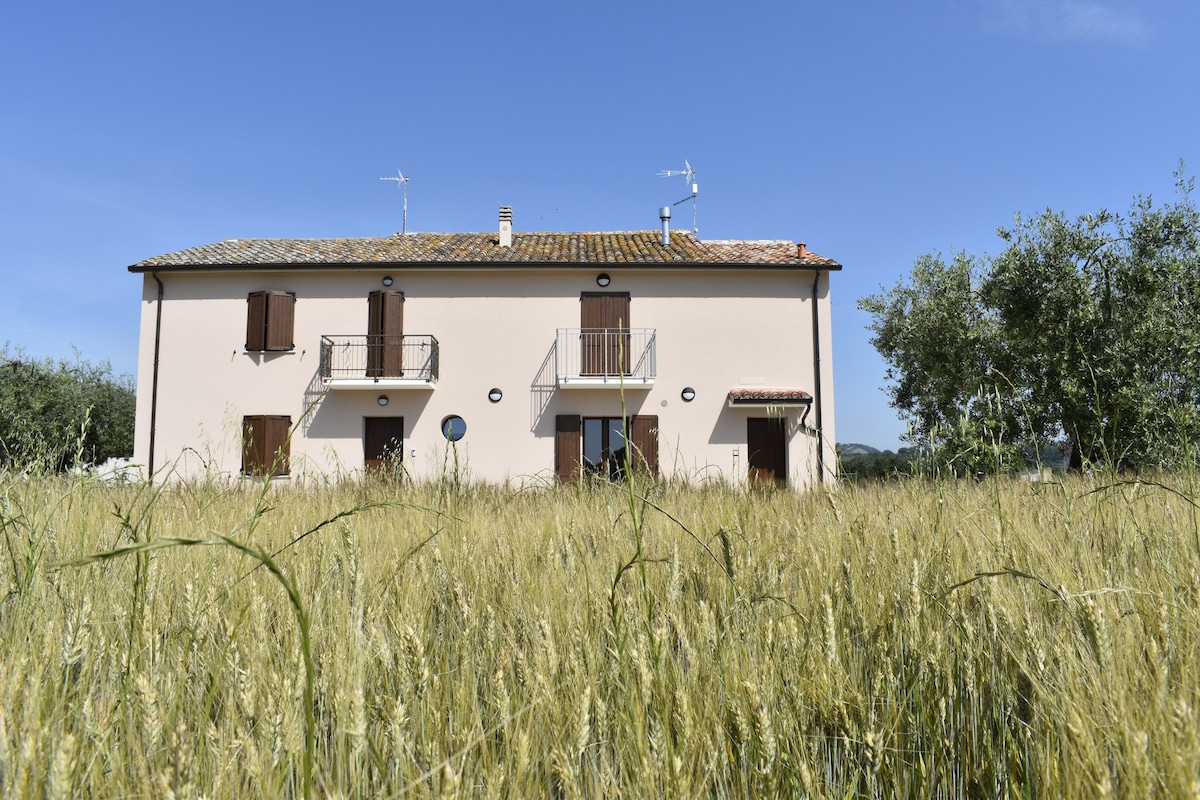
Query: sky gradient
point(874, 131)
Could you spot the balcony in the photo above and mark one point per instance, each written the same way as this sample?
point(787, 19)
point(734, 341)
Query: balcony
point(597, 358)
point(387, 361)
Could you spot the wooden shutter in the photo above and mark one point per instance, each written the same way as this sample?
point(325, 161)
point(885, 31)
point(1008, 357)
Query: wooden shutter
point(256, 321)
point(643, 435)
point(278, 447)
point(281, 315)
point(253, 444)
point(270, 318)
point(265, 446)
point(567, 446)
point(604, 320)
point(385, 329)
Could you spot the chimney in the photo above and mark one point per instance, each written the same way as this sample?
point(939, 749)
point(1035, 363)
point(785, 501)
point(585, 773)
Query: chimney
point(506, 226)
point(801, 250)
point(664, 214)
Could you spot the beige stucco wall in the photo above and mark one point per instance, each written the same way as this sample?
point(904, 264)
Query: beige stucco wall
point(716, 330)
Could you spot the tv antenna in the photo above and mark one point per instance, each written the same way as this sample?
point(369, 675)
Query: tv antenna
point(689, 176)
point(401, 183)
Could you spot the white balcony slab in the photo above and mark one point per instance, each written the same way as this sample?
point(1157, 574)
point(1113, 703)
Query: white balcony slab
point(380, 383)
point(602, 382)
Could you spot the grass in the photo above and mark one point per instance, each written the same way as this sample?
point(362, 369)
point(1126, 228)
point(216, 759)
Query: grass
point(915, 639)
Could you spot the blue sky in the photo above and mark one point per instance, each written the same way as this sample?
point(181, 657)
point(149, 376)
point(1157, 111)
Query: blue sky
point(874, 131)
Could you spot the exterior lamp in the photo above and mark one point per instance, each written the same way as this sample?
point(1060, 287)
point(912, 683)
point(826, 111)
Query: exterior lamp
point(494, 395)
point(603, 280)
point(688, 394)
point(383, 400)
point(387, 280)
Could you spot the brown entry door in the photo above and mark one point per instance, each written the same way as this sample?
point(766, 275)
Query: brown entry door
point(604, 334)
point(385, 334)
point(766, 442)
point(383, 443)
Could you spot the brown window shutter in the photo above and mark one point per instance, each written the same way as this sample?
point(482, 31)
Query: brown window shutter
point(278, 446)
point(253, 445)
point(374, 313)
point(605, 341)
point(617, 311)
point(265, 446)
point(281, 315)
point(385, 329)
point(567, 446)
point(644, 436)
point(256, 321)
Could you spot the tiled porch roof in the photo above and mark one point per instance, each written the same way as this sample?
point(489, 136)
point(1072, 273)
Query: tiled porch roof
point(635, 248)
point(761, 396)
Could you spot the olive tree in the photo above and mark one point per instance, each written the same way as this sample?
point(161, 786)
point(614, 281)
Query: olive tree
point(59, 414)
point(1084, 330)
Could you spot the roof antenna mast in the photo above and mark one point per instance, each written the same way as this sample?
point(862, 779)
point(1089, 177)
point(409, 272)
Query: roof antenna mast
point(689, 176)
point(401, 183)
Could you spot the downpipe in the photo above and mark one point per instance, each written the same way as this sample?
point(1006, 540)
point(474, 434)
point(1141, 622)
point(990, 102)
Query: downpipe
point(154, 378)
point(816, 336)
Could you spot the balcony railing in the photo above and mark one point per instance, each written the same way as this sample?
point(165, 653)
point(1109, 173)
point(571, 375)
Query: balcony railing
point(373, 360)
point(591, 357)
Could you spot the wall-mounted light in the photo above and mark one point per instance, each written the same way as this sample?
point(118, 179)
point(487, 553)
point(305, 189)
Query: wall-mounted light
point(387, 280)
point(603, 280)
point(494, 395)
point(383, 400)
point(688, 394)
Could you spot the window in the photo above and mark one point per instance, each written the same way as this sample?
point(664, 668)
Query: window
point(599, 446)
point(454, 428)
point(270, 319)
point(266, 449)
point(604, 447)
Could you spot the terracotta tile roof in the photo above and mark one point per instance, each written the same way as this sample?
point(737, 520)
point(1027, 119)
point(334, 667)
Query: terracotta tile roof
point(458, 249)
point(761, 395)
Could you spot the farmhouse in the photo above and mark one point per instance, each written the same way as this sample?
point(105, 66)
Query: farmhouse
point(504, 357)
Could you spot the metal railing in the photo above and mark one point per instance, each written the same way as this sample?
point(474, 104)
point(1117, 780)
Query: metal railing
point(608, 354)
point(379, 357)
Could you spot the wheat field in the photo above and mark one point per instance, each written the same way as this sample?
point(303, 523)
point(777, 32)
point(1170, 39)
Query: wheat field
point(912, 639)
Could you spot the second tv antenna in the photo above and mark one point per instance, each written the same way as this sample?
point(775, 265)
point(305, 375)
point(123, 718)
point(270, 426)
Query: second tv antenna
point(689, 175)
point(401, 182)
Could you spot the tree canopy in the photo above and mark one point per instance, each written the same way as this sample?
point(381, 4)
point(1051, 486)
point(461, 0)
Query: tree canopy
point(1084, 331)
point(55, 415)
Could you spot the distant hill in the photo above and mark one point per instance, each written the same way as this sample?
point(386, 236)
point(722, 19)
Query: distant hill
point(861, 461)
point(855, 450)
point(864, 461)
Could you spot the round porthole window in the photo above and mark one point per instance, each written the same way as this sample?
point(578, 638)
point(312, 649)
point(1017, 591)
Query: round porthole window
point(454, 428)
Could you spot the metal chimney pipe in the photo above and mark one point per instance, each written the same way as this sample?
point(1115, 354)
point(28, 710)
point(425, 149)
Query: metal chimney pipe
point(664, 214)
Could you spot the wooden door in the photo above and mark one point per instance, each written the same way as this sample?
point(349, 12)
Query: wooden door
point(604, 333)
point(766, 443)
point(383, 443)
point(385, 339)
